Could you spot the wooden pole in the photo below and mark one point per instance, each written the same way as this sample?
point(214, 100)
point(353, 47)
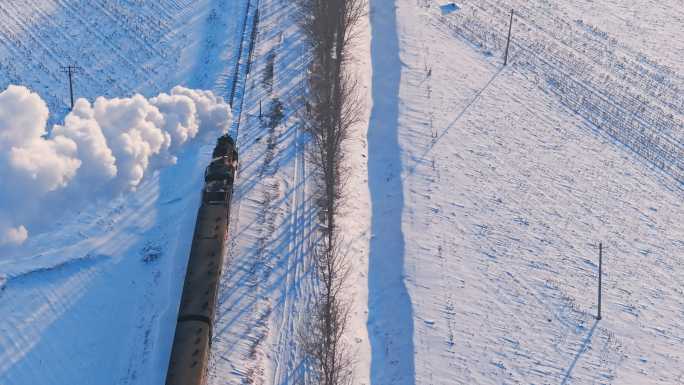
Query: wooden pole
point(70, 70)
point(599, 278)
point(71, 87)
point(508, 41)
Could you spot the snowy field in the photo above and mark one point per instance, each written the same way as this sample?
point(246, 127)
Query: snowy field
point(491, 197)
point(476, 198)
point(650, 27)
point(91, 296)
point(121, 47)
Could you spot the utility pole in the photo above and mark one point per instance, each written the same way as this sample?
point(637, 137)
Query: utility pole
point(599, 279)
point(508, 41)
point(71, 70)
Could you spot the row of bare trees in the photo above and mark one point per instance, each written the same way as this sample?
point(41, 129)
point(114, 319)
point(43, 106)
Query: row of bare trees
point(332, 108)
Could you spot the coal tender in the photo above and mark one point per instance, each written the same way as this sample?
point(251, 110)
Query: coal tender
point(191, 344)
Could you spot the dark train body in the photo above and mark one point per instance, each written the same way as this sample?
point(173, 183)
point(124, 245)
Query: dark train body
point(192, 340)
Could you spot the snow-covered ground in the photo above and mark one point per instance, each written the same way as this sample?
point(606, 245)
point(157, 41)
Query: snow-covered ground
point(267, 273)
point(650, 27)
point(476, 198)
point(92, 299)
point(489, 199)
point(121, 47)
point(268, 277)
point(87, 308)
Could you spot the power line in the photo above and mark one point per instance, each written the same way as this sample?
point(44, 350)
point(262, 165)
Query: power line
point(71, 70)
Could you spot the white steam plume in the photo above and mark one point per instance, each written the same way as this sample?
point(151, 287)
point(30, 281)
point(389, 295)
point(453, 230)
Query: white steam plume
point(109, 145)
point(98, 163)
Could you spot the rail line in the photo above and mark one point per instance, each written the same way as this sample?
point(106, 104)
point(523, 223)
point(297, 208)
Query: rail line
point(243, 63)
point(194, 329)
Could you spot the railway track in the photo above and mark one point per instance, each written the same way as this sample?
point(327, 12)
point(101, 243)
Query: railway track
point(264, 288)
point(243, 63)
point(194, 329)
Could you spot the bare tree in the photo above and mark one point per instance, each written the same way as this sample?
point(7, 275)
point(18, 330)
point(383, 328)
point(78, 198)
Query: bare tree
point(334, 108)
point(322, 335)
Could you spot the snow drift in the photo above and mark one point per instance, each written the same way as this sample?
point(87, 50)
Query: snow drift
point(106, 147)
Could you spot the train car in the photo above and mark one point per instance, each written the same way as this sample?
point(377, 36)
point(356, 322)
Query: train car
point(192, 340)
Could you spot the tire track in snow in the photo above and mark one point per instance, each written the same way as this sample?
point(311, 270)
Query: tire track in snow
point(287, 348)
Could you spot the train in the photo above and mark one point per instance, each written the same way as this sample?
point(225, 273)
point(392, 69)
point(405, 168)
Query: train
point(192, 339)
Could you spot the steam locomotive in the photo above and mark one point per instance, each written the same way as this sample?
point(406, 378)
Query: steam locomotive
point(192, 340)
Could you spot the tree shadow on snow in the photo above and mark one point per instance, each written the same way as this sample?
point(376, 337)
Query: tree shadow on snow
point(390, 316)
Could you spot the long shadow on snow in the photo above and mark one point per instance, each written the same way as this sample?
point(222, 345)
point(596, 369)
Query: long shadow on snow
point(390, 316)
point(567, 376)
point(119, 290)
